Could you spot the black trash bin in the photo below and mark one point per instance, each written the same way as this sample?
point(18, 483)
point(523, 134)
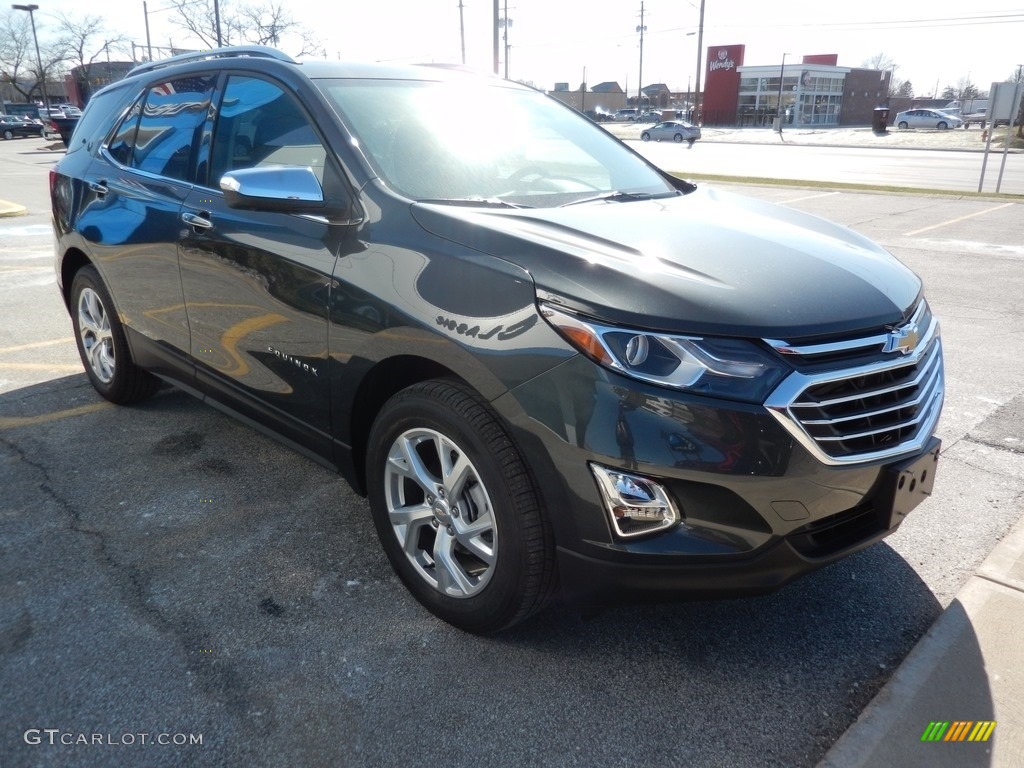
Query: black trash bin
point(880, 119)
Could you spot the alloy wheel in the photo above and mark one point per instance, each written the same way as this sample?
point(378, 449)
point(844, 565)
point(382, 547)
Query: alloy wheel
point(440, 512)
point(97, 339)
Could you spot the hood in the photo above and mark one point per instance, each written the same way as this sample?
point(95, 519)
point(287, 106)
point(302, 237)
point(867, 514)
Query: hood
point(708, 262)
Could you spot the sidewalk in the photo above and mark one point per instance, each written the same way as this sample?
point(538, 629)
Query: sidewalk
point(969, 667)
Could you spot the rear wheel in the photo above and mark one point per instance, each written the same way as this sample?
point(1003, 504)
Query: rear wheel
point(8, 135)
point(102, 344)
point(456, 510)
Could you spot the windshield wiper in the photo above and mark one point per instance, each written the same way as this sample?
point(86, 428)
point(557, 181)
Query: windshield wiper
point(618, 196)
point(489, 202)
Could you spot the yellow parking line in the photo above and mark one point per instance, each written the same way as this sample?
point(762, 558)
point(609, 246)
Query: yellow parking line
point(13, 422)
point(958, 218)
point(58, 367)
point(37, 344)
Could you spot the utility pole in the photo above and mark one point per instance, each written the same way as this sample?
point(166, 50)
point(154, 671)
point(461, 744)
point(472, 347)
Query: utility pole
point(462, 33)
point(640, 86)
point(497, 15)
point(505, 22)
point(700, 66)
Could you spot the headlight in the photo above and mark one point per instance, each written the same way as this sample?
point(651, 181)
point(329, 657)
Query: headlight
point(718, 367)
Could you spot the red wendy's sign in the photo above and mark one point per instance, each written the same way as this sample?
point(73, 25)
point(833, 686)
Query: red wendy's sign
point(722, 84)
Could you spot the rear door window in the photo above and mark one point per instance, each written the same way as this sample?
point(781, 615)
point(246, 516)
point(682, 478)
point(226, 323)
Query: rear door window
point(161, 133)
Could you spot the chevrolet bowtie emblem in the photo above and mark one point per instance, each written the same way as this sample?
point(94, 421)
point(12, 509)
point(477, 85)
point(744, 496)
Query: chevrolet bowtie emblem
point(903, 340)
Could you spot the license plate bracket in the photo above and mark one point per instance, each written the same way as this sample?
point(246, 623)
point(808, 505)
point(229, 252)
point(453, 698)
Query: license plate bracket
point(908, 484)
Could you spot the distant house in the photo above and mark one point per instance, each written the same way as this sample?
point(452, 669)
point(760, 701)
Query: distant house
point(606, 97)
point(657, 95)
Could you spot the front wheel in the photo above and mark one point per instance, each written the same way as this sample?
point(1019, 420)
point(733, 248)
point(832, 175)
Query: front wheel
point(645, 136)
point(456, 510)
point(942, 126)
point(8, 135)
point(903, 125)
point(678, 138)
point(102, 344)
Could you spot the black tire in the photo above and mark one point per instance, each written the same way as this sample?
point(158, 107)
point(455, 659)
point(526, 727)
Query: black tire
point(490, 512)
point(645, 136)
point(8, 135)
point(102, 344)
point(678, 138)
point(942, 126)
point(903, 125)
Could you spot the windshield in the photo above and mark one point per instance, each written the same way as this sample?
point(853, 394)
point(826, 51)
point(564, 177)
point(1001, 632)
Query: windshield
point(486, 143)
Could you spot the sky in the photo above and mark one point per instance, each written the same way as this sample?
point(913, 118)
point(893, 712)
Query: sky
point(933, 45)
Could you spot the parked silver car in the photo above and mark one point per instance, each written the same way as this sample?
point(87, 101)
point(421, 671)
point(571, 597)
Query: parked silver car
point(676, 130)
point(927, 118)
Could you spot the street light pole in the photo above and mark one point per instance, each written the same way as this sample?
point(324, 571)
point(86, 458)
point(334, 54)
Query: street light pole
point(39, 59)
point(782, 76)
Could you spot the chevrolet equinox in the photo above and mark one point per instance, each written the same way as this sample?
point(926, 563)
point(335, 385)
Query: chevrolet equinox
point(548, 364)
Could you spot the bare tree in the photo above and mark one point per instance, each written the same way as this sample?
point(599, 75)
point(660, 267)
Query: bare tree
point(884, 63)
point(904, 88)
point(18, 56)
point(86, 39)
point(266, 23)
point(1018, 77)
point(964, 89)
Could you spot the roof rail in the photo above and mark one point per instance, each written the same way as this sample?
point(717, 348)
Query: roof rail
point(214, 53)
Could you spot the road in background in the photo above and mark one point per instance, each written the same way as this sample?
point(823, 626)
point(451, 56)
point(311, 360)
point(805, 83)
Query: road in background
point(164, 569)
point(908, 168)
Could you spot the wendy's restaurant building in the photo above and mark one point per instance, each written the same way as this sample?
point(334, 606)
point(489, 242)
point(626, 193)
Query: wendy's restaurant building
point(814, 91)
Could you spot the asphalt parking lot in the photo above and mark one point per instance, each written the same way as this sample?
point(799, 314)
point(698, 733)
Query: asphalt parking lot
point(166, 571)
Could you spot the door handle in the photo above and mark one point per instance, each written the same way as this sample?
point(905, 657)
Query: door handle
point(197, 221)
point(99, 187)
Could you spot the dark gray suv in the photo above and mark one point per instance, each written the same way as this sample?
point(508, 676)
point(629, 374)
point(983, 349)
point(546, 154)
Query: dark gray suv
point(548, 364)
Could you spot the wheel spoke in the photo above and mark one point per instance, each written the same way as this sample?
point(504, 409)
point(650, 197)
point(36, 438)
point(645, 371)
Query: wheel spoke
point(477, 546)
point(406, 461)
point(410, 515)
point(451, 579)
point(454, 473)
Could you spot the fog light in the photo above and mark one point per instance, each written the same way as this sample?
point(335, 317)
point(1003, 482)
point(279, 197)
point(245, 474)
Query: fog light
point(636, 505)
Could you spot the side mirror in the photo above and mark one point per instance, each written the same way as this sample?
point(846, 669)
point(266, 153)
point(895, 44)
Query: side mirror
point(285, 189)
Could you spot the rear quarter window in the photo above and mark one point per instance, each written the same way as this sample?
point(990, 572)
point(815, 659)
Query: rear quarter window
point(100, 112)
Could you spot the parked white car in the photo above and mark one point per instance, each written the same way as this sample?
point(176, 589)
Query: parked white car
point(927, 118)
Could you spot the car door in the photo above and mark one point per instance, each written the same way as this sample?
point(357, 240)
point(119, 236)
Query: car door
point(133, 193)
point(257, 283)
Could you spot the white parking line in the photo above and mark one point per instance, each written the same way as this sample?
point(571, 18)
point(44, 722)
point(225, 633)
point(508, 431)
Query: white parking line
point(807, 197)
point(958, 218)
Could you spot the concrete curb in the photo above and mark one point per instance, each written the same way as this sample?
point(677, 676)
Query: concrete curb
point(968, 667)
point(11, 209)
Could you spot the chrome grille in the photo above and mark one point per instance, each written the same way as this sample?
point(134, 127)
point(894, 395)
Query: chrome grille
point(869, 412)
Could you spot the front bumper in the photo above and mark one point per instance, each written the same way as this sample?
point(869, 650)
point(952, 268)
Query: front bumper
point(757, 508)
